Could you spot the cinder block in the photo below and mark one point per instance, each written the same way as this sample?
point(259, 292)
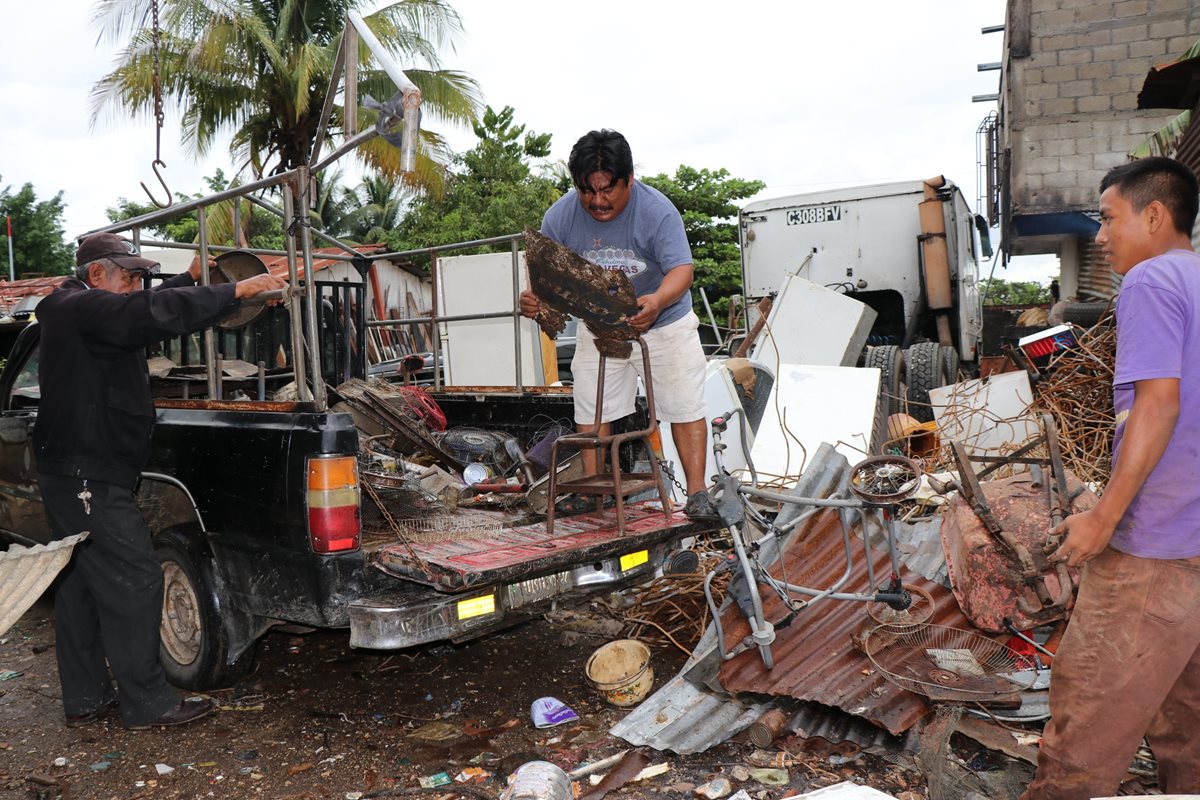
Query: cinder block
point(1148, 49)
point(1131, 8)
point(1124, 101)
point(1076, 163)
point(1097, 38)
point(1104, 69)
point(1041, 91)
point(1064, 41)
point(1095, 103)
point(1051, 20)
point(1060, 147)
point(1129, 33)
point(1059, 74)
point(1106, 161)
point(1059, 106)
point(1086, 12)
point(1134, 67)
point(1061, 180)
point(1076, 89)
point(1168, 28)
point(1110, 52)
point(1113, 85)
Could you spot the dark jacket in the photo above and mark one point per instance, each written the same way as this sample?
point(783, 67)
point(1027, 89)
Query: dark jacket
point(96, 414)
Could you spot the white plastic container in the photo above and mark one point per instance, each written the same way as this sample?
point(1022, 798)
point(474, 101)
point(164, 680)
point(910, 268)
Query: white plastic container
point(538, 780)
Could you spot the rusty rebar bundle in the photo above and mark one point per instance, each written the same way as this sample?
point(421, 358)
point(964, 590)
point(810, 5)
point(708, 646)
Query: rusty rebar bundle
point(1077, 391)
point(671, 611)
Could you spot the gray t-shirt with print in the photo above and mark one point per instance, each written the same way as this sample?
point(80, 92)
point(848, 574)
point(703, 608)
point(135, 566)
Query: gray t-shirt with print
point(645, 241)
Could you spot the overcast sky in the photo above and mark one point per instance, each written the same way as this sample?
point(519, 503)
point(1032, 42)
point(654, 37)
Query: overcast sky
point(800, 95)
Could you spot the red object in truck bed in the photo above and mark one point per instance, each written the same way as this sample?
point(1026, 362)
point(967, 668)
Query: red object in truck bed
point(470, 559)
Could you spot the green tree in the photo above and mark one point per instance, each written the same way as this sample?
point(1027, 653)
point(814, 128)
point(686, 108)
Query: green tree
point(707, 201)
point(998, 292)
point(375, 209)
point(261, 70)
point(493, 192)
point(38, 242)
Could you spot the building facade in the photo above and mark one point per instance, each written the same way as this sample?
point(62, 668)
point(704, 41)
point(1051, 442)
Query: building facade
point(1068, 112)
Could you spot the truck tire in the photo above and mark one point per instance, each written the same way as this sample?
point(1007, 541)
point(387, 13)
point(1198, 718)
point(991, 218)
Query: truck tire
point(1084, 314)
point(889, 360)
point(194, 642)
point(925, 369)
point(951, 362)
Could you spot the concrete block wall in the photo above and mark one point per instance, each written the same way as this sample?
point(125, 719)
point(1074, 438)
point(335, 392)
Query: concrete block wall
point(1069, 107)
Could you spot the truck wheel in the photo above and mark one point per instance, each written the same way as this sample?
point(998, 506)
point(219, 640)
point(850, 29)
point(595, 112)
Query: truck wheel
point(951, 361)
point(194, 641)
point(889, 360)
point(925, 369)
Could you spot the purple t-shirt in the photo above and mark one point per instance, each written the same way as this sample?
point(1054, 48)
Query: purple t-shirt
point(1158, 335)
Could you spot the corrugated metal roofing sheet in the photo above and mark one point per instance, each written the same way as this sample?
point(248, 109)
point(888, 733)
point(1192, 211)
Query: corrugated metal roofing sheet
point(815, 658)
point(25, 572)
point(278, 264)
point(12, 292)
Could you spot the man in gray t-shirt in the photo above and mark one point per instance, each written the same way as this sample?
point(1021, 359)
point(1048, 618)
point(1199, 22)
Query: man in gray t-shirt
point(619, 223)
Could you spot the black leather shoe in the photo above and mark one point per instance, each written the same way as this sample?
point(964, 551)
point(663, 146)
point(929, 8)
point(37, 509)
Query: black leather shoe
point(88, 717)
point(187, 711)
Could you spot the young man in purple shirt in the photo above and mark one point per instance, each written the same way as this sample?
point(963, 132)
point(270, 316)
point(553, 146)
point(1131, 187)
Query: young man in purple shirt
point(1129, 664)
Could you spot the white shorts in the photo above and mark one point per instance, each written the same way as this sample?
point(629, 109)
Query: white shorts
point(677, 365)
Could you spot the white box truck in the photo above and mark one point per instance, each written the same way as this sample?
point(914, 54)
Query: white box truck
point(908, 250)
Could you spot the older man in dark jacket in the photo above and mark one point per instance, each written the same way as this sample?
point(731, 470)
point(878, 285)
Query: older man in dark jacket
point(91, 441)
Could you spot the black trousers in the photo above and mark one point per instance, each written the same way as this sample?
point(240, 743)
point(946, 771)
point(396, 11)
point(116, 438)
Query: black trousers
point(108, 601)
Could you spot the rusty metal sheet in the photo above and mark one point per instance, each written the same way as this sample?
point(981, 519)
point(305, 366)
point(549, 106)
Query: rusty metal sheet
point(470, 559)
point(815, 658)
point(228, 405)
point(277, 265)
point(570, 284)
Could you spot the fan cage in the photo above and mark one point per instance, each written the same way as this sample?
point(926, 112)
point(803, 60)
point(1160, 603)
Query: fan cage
point(923, 660)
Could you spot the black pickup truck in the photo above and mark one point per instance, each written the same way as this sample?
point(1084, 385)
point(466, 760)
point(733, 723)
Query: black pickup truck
point(257, 512)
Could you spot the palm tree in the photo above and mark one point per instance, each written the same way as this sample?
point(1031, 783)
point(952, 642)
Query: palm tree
point(380, 202)
point(260, 70)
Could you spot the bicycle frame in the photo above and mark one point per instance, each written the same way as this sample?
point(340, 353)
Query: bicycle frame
point(732, 498)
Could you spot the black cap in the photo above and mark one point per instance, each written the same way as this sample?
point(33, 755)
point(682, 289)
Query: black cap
point(114, 248)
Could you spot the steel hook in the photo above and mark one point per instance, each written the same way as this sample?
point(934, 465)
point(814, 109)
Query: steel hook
point(158, 162)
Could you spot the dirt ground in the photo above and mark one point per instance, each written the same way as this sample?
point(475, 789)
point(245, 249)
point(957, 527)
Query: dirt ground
point(316, 719)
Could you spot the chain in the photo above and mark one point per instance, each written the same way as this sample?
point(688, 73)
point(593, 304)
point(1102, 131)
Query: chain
point(666, 467)
point(395, 526)
point(159, 116)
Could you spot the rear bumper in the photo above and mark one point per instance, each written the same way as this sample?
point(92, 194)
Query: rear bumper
point(429, 616)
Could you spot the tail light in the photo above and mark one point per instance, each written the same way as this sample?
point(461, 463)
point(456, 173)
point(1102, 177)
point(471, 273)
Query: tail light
point(334, 524)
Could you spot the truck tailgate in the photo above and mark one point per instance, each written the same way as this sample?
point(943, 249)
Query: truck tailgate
point(454, 564)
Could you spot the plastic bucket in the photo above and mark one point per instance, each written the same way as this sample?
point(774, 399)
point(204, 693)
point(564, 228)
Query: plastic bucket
point(621, 672)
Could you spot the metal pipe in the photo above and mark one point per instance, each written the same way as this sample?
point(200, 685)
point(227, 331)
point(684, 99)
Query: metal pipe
point(210, 344)
point(258, 251)
point(387, 323)
point(516, 314)
point(436, 336)
point(346, 147)
point(181, 208)
point(293, 304)
point(319, 234)
point(330, 95)
point(711, 319)
point(381, 53)
point(429, 251)
point(310, 306)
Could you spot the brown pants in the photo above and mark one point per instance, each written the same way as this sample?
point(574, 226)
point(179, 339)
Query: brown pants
point(1128, 667)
